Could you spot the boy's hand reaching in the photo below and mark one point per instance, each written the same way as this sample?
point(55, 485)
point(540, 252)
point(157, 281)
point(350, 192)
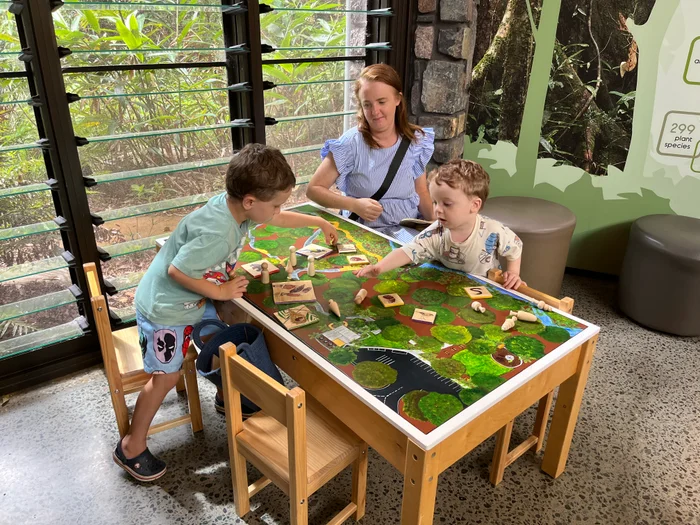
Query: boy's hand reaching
point(330, 233)
point(512, 281)
point(233, 289)
point(371, 270)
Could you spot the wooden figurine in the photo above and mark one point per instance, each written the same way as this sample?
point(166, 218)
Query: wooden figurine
point(265, 273)
point(293, 255)
point(333, 307)
point(477, 307)
point(544, 306)
point(311, 271)
point(290, 269)
point(360, 296)
point(510, 323)
point(525, 316)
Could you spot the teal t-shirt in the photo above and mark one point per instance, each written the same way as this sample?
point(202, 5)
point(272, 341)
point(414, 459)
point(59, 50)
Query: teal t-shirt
point(205, 245)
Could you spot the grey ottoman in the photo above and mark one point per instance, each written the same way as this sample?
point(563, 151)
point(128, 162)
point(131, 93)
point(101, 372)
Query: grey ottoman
point(660, 279)
point(545, 228)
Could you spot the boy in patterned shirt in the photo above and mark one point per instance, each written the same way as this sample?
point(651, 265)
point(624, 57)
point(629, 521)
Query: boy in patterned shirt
point(195, 265)
point(460, 238)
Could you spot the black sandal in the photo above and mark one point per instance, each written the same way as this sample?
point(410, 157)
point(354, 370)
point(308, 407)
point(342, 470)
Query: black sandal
point(144, 467)
point(221, 408)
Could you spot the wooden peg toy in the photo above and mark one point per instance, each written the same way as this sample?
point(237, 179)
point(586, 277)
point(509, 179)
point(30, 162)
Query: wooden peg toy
point(293, 255)
point(265, 273)
point(510, 323)
point(333, 307)
point(289, 268)
point(311, 270)
point(360, 296)
point(525, 316)
point(544, 306)
point(477, 307)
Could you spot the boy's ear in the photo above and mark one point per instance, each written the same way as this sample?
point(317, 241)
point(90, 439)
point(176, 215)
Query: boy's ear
point(247, 202)
point(476, 205)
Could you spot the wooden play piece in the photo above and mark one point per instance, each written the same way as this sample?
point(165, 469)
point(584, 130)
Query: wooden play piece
point(389, 300)
point(525, 316)
point(360, 296)
point(357, 259)
point(265, 273)
point(295, 442)
point(333, 307)
point(293, 255)
point(478, 292)
point(509, 323)
point(255, 268)
point(289, 268)
point(424, 316)
point(311, 270)
point(315, 250)
point(296, 292)
point(346, 248)
point(477, 307)
point(543, 306)
point(296, 317)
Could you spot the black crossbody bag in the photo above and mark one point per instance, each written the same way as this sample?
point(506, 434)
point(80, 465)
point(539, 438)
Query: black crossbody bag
point(393, 169)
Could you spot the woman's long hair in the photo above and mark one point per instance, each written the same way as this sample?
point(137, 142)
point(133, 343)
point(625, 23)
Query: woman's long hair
point(386, 75)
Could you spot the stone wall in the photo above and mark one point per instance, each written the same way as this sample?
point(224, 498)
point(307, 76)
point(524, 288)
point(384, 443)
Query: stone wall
point(445, 36)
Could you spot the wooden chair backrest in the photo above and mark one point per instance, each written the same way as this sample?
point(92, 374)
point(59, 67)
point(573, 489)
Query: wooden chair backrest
point(92, 279)
point(102, 324)
point(565, 304)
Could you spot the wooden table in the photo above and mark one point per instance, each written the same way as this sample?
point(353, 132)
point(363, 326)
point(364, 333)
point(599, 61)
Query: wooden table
point(419, 455)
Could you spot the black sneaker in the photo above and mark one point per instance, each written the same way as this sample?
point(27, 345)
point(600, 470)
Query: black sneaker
point(144, 467)
point(221, 408)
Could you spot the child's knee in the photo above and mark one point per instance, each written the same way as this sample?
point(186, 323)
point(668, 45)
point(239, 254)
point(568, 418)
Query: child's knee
point(166, 380)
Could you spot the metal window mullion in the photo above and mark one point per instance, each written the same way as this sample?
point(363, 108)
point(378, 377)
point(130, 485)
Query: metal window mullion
point(232, 37)
point(255, 74)
point(37, 22)
point(400, 29)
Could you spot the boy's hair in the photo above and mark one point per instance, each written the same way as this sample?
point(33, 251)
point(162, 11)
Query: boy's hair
point(467, 175)
point(260, 171)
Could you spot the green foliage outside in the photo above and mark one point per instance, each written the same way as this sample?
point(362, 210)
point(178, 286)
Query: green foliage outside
point(439, 408)
point(374, 375)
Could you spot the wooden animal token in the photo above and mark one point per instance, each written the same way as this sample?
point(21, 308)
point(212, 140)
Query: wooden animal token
point(346, 248)
point(357, 259)
point(296, 317)
point(255, 268)
point(524, 316)
point(424, 316)
point(265, 273)
point(478, 292)
point(295, 292)
point(360, 296)
point(311, 270)
point(510, 323)
point(333, 307)
point(315, 250)
point(293, 255)
point(389, 300)
point(477, 307)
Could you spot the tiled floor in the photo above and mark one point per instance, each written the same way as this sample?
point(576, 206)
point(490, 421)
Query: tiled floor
point(635, 456)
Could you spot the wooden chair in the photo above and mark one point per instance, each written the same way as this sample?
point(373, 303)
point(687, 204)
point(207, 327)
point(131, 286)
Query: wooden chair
point(502, 456)
point(121, 353)
point(296, 443)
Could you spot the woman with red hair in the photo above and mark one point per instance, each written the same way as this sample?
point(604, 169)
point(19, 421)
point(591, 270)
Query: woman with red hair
point(359, 161)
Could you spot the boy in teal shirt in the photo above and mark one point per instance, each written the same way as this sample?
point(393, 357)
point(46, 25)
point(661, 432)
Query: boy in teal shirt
point(193, 266)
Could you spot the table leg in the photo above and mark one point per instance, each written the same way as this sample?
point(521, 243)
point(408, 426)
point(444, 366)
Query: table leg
point(419, 486)
point(566, 413)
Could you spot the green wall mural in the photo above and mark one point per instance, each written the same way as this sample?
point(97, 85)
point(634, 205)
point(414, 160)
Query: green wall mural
point(661, 171)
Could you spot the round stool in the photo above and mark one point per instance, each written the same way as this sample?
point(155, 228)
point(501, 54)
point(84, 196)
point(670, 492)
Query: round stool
point(545, 228)
point(660, 279)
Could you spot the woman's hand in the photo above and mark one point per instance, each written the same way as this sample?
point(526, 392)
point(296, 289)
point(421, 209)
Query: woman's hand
point(330, 233)
point(368, 209)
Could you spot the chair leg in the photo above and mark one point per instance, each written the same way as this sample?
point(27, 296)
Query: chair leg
point(180, 384)
point(120, 410)
point(190, 379)
point(359, 483)
point(500, 454)
point(298, 511)
point(541, 419)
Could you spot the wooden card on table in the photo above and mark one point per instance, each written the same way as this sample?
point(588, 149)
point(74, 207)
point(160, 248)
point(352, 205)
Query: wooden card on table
point(293, 292)
point(347, 248)
point(296, 317)
point(255, 268)
point(357, 259)
point(390, 300)
point(424, 316)
point(478, 292)
point(315, 250)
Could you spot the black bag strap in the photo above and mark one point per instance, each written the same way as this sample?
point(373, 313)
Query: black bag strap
point(390, 175)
